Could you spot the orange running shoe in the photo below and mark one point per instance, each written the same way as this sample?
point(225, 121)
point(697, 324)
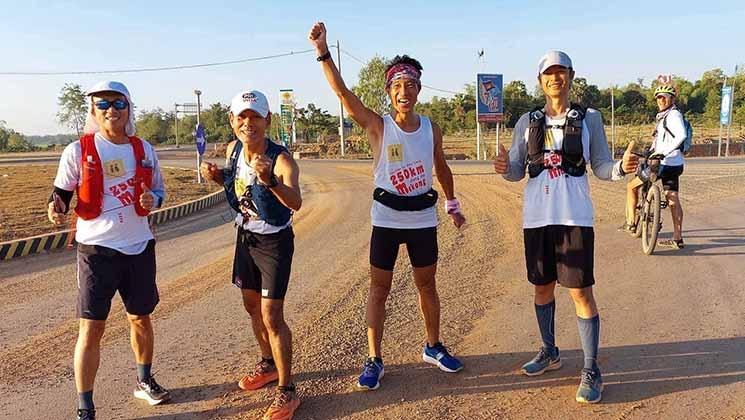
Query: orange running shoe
point(263, 374)
point(284, 405)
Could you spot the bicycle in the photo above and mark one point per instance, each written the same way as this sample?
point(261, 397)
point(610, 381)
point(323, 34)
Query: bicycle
point(647, 215)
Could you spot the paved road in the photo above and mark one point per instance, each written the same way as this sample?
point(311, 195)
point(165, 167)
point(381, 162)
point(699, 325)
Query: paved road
point(673, 324)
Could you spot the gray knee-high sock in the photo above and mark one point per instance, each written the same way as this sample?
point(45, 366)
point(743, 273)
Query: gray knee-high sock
point(545, 314)
point(589, 334)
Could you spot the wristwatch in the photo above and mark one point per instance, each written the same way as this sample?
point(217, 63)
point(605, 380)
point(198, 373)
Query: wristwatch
point(324, 57)
point(273, 182)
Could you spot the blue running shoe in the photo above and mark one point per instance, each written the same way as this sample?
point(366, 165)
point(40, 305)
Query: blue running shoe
point(543, 361)
point(590, 388)
point(371, 375)
point(438, 355)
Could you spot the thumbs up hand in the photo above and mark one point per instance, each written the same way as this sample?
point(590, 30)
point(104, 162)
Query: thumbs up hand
point(147, 199)
point(630, 160)
point(501, 161)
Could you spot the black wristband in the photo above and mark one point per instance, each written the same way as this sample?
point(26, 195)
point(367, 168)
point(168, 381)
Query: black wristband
point(64, 195)
point(273, 181)
point(324, 57)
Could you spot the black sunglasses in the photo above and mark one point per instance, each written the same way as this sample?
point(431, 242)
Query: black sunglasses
point(118, 104)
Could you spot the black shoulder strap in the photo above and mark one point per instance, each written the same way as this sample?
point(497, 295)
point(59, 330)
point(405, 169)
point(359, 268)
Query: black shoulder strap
point(579, 113)
point(664, 125)
point(230, 170)
point(234, 154)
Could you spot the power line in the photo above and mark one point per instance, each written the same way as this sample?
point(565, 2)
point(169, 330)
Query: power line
point(441, 90)
point(352, 56)
point(348, 54)
point(153, 69)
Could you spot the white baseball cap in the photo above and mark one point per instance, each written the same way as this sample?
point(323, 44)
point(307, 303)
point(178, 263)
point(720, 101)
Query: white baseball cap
point(109, 86)
point(554, 58)
point(250, 99)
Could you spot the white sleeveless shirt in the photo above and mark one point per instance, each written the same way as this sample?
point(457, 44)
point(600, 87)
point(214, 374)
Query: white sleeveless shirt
point(404, 168)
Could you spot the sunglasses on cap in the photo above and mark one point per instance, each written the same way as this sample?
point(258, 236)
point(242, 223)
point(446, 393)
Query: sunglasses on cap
point(118, 104)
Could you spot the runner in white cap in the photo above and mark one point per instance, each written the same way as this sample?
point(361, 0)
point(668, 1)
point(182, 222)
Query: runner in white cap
point(261, 184)
point(118, 181)
point(555, 142)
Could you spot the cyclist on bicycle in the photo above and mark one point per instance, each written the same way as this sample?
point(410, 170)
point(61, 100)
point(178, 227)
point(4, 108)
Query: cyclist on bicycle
point(669, 135)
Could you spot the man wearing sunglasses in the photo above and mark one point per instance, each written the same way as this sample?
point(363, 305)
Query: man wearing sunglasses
point(261, 184)
point(118, 182)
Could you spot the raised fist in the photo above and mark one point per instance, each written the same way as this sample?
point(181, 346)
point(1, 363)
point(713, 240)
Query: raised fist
point(317, 37)
point(211, 172)
point(263, 167)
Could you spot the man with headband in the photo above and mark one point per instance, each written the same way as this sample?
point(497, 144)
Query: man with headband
point(118, 182)
point(555, 142)
point(407, 149)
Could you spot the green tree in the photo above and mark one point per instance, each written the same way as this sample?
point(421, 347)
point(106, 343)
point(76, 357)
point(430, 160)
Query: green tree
point(517, 101)
point(17, 143)
point(72, 107)
point(584, 94)
point(216, 123)
point(4, 134)
point(371, 86)
point(154, 126)
point(313, 122)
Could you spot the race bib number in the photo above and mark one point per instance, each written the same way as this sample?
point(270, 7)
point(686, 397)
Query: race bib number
point(395, 153)
point(114, 168)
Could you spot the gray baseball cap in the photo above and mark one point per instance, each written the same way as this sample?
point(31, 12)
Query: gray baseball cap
point(109, 86)
point(554, 58)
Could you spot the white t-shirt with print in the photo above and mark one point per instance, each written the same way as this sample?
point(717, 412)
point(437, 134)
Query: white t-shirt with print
point(118, 226)
point(553, 197)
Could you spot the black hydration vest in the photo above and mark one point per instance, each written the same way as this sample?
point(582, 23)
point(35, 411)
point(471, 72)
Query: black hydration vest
point(270, 209)
point(572, 156)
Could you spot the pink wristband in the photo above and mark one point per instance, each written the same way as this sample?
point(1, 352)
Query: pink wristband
point(452, 206)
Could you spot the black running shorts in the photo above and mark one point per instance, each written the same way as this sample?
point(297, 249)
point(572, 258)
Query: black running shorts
point(103, 271)
point(421, 245)
point(560, 253)
point(263, 261)
point(670, 176)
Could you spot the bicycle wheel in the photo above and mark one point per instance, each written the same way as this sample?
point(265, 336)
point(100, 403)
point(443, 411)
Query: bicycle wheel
point(651, 219)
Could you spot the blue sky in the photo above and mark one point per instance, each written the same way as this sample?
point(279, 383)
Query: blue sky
point(610, 43)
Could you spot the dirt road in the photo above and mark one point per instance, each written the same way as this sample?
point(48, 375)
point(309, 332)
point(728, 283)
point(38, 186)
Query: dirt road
point(672, 340)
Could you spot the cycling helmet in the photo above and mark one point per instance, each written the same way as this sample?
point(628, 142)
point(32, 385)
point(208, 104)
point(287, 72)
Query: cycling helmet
point(669, 89)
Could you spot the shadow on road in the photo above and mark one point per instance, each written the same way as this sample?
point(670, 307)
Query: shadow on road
point(631, 373)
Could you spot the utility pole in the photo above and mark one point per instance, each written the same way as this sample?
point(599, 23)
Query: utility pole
point(175, 121)
point(731, 105)
point(199, 112)
point(613, 122)
point(719, 148)
point(341, 105)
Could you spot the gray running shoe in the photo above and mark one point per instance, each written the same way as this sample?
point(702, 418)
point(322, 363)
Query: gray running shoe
point(590, 388)
point(543, 361)
point(150, 391)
